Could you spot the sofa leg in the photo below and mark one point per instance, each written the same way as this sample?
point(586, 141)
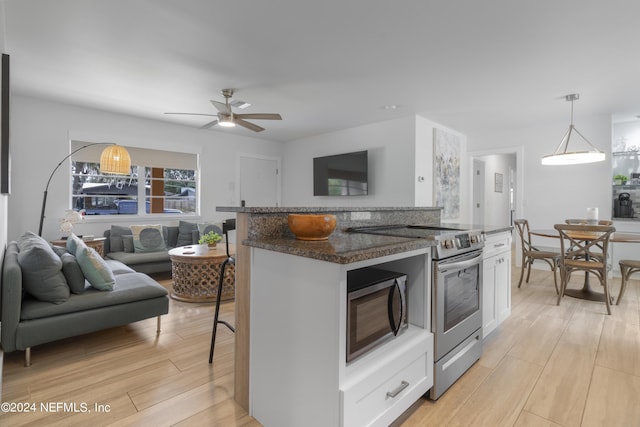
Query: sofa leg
point(159, 322)
point(27, 357)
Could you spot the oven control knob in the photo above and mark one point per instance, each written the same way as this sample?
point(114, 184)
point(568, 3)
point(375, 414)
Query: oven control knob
point(448, 244)
point(473, 238)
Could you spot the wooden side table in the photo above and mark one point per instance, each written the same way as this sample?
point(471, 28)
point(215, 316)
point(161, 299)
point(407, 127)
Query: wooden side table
point(196, 272)
point(97, 244)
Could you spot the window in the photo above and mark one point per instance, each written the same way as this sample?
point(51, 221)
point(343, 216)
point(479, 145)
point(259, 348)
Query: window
point(165, 181)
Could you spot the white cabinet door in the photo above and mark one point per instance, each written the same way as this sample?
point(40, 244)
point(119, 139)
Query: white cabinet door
point(503, 286)
point(489, 313)
point(496, 282)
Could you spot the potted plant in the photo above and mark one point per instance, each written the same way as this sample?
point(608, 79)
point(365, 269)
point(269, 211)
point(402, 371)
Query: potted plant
point(210, 238)
point(620, 179)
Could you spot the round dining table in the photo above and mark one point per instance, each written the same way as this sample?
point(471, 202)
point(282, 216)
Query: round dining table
point(586, 292)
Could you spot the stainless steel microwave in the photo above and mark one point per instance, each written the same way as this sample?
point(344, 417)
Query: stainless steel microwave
point(376, 309)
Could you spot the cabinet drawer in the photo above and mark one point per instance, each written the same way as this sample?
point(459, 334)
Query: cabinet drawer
point(362, 406)
point(496, 244)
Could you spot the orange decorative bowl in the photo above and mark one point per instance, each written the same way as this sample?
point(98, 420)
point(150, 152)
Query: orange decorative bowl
point(312, 226)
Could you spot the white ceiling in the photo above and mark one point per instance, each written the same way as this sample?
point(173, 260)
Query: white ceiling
point(475, 66)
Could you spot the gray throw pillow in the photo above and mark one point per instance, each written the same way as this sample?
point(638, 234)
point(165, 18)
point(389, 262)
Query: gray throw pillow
point(95, 269)
point(185, 233)
point(116, 234)
point(73, 273)
point(41, 267)
point(127, 241)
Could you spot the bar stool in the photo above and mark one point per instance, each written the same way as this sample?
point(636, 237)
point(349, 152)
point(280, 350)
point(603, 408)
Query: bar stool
point(227, 226)
point(627, 268)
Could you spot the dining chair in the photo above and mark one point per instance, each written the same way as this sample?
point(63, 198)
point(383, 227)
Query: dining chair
point(530, 253)
point(577, 243)
point(593, 254)
point(227, 226)
point(627, 268)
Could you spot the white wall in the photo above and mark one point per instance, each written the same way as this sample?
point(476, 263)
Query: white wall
point(41, 131)
point(553, 193)
point(400, 151)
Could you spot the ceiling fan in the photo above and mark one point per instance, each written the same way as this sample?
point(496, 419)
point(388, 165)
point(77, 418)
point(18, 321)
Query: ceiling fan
point(227, 118)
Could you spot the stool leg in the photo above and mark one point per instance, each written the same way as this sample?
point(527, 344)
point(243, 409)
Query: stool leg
point(217, 311)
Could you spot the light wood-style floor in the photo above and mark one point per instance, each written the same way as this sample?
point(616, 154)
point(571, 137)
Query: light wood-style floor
point(547, 365)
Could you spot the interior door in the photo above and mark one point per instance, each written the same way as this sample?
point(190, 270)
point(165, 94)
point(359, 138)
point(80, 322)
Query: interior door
point(259, 181)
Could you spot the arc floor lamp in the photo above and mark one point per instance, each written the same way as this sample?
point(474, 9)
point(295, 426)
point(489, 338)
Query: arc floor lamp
point(114, 159)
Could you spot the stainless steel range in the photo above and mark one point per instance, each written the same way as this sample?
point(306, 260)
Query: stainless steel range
point(456, 311)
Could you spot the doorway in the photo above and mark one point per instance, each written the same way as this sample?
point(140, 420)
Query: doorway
point(497, 186)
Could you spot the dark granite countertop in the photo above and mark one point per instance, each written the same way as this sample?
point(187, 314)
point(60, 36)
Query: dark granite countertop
point(486, 229)
point(342, 248)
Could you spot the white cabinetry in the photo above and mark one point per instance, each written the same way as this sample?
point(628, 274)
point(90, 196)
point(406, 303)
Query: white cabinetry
point(496, 281)
point(298, 370)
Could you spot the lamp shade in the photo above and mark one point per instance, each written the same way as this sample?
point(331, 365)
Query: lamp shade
point(573, 158)
point(115, 160)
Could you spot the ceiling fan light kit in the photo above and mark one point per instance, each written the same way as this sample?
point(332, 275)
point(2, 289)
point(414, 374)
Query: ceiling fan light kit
point(562, 155)
point(227, 118)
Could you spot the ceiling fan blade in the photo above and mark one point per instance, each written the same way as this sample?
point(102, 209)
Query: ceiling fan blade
point(259, 116)
point(195, 114)
point(247, 125)
point(210, 124)
point(221, 106)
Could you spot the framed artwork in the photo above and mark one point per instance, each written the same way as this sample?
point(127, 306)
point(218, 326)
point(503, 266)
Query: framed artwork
point(446, 173)
point(499, 182)
point(4, 127)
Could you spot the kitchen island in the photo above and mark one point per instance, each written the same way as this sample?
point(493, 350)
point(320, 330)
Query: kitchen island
point(290, 319)
point(266, 228)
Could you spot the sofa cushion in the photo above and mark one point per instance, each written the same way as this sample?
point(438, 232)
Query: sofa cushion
point(129, 287)
point(95, 269)
point(73, 273)
point(147, 238)
point(41, 267)
point(186, 231)
point(117, 267)
point(139, 258)
point(116, 242)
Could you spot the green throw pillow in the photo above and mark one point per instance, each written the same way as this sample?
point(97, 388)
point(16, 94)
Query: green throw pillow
point(73, 243)
point(148, 238)
point(41, 267)
point(95, 269)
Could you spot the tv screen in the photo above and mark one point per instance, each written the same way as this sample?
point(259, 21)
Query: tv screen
point(341, 175)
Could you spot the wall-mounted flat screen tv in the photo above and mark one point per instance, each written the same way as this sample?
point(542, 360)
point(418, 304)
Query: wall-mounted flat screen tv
point(341, 175)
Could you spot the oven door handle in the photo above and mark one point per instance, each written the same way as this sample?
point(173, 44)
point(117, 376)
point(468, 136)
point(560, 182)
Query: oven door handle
point(443, 267)
point(395, 328)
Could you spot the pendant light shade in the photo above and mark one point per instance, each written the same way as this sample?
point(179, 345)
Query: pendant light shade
point(562, 155)
point(115, 160)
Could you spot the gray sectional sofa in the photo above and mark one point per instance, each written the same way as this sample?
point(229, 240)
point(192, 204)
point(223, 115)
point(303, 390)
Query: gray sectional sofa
point(150, 255)
point(54, 293)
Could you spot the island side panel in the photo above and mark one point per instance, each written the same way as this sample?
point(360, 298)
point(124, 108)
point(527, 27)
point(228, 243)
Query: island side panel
point(296, 308)
point(242, 315)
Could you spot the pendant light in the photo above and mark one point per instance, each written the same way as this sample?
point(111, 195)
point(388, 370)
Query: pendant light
point(562, 155)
